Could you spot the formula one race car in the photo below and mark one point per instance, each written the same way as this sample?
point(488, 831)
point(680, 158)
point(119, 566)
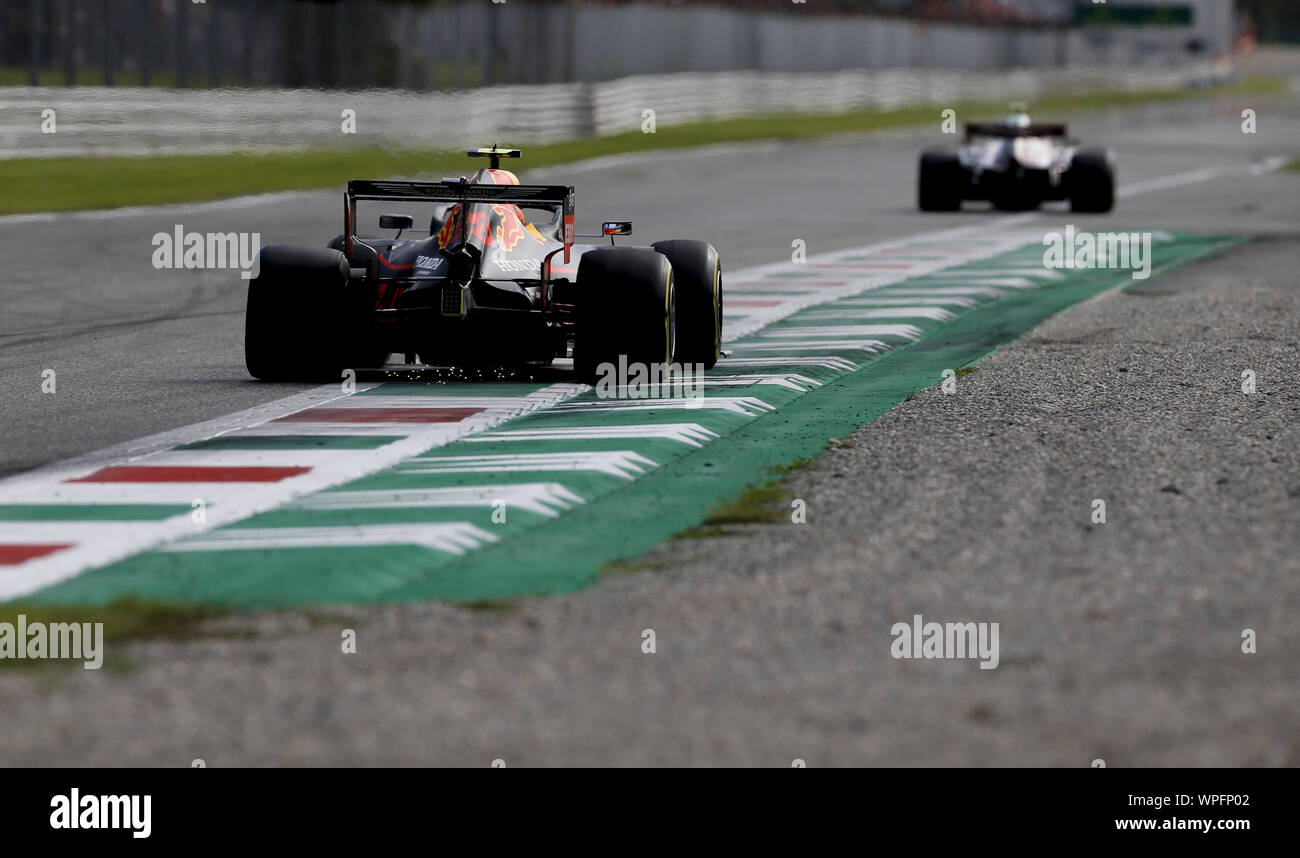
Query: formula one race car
point(496, 282)
point(1017, 165)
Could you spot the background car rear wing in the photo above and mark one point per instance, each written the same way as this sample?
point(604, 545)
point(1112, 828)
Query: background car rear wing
point(455, 191)
point(998, 129)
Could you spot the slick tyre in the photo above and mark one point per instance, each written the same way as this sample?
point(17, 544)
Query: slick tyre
point(939, 182)
point(301, 322)
point(1091, 182)
point(697, 278)
point(626, 308)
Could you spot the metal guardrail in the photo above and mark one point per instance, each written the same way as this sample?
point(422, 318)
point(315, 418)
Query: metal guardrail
point(143, 121)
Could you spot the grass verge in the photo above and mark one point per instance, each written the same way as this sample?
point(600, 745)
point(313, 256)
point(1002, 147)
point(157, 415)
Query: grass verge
point(757, 504)
point(68, 184)
point(126, 619)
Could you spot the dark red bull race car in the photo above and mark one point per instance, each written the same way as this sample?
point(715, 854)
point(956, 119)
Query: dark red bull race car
point(497, 281)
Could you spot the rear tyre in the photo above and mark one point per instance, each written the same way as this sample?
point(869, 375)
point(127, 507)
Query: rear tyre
point(300, 324)
point(940, 182)
point(697, 277)
point(1091, 182)
point(625, 309)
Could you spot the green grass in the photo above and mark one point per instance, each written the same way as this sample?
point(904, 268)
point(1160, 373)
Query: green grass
point(125, 619)
point(761, 503)
point(69, 184)
point(490, 605)
point(94, 76)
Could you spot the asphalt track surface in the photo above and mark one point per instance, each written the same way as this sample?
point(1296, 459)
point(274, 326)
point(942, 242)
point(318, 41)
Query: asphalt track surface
point(138, 350)
point(761, 656)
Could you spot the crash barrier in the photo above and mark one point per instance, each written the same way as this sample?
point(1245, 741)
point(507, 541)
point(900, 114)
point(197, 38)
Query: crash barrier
point(63, 121)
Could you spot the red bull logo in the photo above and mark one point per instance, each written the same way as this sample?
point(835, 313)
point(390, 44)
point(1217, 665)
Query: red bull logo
point(502, 225)
point(477, 221)
point(450, 232)
point(509, 229)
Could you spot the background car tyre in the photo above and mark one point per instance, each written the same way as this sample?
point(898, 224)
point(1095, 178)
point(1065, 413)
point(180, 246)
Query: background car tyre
point(939, 183)
point(697, 279)
point(625, 306)
point(1091, 179)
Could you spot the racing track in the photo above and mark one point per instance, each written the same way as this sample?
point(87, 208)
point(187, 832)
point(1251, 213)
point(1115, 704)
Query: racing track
point(405, 490)
point(138, 351)
point(836, 196)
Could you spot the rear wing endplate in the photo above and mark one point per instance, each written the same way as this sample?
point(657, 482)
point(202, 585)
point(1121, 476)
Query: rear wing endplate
point(455, 191)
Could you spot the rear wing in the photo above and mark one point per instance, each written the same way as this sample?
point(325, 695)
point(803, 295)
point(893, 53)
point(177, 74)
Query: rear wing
point(998, 129)
point(454, 191)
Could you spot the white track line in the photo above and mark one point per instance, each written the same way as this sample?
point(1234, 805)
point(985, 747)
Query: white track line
point(131, 539)
point(1205, 174)
point(225, 502)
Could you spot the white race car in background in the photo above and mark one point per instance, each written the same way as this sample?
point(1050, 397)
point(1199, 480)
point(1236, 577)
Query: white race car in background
point(1017, 165)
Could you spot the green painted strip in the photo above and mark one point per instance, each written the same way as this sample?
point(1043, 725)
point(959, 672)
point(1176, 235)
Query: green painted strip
point(678, 496)
point(1210, 249)
point(620, 518)
point(90, 512)
point(293, 442)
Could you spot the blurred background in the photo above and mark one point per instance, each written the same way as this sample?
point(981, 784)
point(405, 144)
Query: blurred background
point(156, 77)
point(437, 44)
